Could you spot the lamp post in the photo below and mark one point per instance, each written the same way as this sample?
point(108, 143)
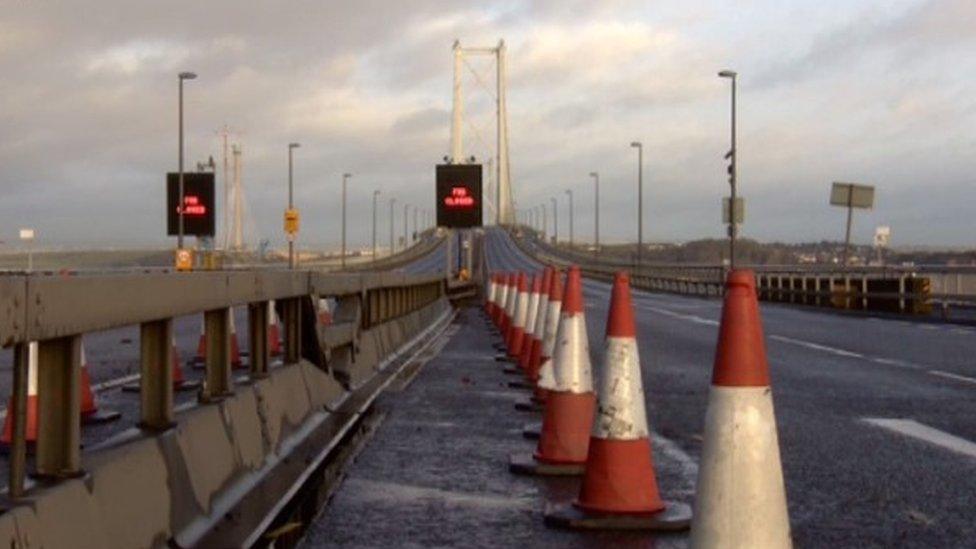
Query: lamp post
point(376, 195)
point(345, 178)
point(414, 234)
point(596, 211)
point(179, 238)
point(555, 221)
point(291, 202)
point(569, 193)
point(640, 201)
point(545, 222)
point(392, 214)
point(406, 210)
point(732, 75)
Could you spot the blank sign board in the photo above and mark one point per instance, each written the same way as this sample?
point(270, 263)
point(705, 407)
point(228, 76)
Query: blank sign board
point(852, 194)
point(740, 210)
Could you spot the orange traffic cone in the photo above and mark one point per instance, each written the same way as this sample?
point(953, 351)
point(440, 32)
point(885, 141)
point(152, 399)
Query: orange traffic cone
point(511, 294)
point(8, 426)
point(619, 488)
point(235, 349)
point(546, 376)
point(516, 333)
point(180, 382)
point(490, 291)
point(501, 294)
point(325, 312)
point(274, 331)
point(569, 408)
point(530, 320)
point(539, 330)
point(90, 412)
point(506, 305)
point(740, 500)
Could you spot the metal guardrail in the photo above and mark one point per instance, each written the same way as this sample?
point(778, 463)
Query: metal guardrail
point(55, 311)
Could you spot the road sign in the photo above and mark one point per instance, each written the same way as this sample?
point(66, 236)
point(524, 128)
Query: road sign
point(740, 210)
point(459, 195)
point(291, 221)
point(27, 234)
point(184, 259)
point(198, 204)
point(882, 236)
point(852, 195)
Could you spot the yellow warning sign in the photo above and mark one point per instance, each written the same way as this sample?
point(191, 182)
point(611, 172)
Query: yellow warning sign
point(291, 221)
point(184, 259)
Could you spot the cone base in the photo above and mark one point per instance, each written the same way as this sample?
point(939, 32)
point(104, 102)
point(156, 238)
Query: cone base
point(520, 385)
point(532, 431)
point(675, 517)
point(100, 416)
point(526, 464)
point(185, 385)
point(512, 371)
point(502, 358)
point(528, 406)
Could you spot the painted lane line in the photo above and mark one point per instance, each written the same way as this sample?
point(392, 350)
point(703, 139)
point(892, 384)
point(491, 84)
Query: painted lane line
point(690, 318)
point(817, 346)
point(920, 431)
point(896, 363)
point(950, 375)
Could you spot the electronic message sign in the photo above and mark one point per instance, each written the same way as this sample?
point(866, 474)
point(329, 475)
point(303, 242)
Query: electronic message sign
point(198, 204)
point(458, 195)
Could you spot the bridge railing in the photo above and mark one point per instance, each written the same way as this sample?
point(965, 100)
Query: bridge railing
point(55, 311)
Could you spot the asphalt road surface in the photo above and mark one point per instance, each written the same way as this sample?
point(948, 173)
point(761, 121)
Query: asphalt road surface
point(876, 425)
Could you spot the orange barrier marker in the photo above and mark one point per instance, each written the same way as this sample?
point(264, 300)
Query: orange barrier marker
point(8, 426)
point(562, 447)
point(619, 488)
point(740, 500)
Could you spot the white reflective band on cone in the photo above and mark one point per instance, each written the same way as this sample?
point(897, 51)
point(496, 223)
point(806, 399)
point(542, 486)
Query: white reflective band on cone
point(552, 328)
point(741, 501)
point(620, 413)
point(571, 358)
point(511, 302)
point(32, 368)
point(531, 313)
point(501, 298)
point(521, 309)
point(539, 330)
point(491, 291)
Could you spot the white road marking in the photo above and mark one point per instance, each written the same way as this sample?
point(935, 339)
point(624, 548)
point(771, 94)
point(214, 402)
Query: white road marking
point(920, 431)
point(817, 346)
point(394, 494)
point(896, 363)
point(690, 318)
point(951, 375)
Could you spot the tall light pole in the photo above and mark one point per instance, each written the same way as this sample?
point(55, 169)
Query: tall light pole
point(640, 200)
point(555, 221)
point(392, 215)
point(732, 75)
point(414, 233)
point(596, 211)
point(569, 193)
point(291, 202)
point(545, 222)
point(345, 178)
point(179, 238)
point(406, 210)
point(376, 195)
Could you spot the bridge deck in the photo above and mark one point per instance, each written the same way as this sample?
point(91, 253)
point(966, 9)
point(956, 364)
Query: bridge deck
point(436, 473)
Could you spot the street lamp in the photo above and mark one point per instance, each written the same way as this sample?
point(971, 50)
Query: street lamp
point(179, 239)
point(596, 211)
point(555, 222)
point(732, 172)
point(376, 195)
point(640, 200)
point(569, 193)
point(545, 222)
point(392, 214)
point(291, 204)
point(414, 233)
point(406, 210)
point(345, 178)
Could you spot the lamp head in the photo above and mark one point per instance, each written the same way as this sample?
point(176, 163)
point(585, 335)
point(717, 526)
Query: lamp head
point(727, 74)
point(186, 75)
point(294, 145)
point(636, 144)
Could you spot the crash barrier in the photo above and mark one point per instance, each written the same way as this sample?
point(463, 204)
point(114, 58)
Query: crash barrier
point(907, 291)
point(217, 472)
point(424, 246)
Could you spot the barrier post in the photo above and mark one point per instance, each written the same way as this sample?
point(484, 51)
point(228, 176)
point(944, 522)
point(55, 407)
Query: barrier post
point(257, 330)
point(59, 407)
point(156, 381)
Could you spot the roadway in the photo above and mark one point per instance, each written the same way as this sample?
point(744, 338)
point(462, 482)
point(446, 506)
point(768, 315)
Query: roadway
point(876, 418)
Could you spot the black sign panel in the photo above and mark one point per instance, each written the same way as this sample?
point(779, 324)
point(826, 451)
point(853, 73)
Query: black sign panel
point(459, 195)
point(198, 202)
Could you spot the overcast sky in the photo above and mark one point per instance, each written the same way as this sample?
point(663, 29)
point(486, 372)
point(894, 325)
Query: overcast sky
point(875, 91)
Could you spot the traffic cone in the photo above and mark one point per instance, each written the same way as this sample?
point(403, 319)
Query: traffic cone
point(539, 330)
point(501, 292)
point(90, 412)
point(180, 383)
point(200, 360)
point(516, 333)
point(530, 320)
point(740, 500)
point(490, 292)
point(619, 488)
point(511, 294)
point(274, 330)
point(546, 375)
point(569, 408)
point(8, 426)
point(325, 312)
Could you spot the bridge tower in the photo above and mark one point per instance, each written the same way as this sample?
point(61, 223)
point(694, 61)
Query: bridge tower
point(503, 203)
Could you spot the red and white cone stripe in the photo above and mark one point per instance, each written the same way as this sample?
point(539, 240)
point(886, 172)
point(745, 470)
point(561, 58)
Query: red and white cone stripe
point(518, 320)
point(530, 316)
point(539, 329)
point(741, 499)
point(547, 375)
